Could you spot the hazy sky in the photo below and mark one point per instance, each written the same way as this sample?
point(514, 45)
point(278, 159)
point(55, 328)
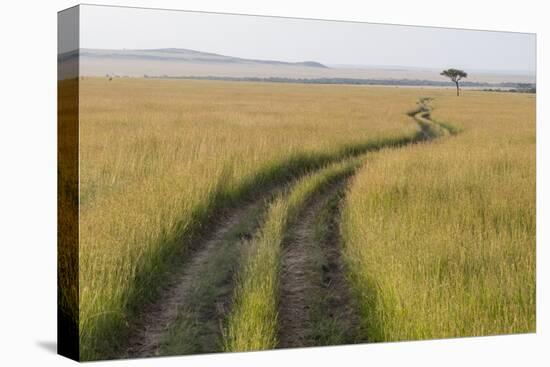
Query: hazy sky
point(328, 42)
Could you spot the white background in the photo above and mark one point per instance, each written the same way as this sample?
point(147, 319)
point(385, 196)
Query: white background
point(28, 182)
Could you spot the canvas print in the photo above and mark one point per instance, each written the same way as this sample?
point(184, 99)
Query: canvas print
point(232, 183)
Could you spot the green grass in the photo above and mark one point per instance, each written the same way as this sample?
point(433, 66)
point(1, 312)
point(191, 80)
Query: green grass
point(252, 324)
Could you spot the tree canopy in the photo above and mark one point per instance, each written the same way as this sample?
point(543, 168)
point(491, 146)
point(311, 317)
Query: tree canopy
point(455, 75)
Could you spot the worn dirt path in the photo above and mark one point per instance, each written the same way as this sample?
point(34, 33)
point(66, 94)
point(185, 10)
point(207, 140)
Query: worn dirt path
point(315, 306)
point(296, 281)
point(312, 281)
point(298, 270)
point(162, 314)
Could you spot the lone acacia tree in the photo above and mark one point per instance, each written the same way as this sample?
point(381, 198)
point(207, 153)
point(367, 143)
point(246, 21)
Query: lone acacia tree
point(455, 75)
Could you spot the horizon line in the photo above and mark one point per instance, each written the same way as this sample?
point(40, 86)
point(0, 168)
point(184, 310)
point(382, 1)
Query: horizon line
point(329, 65)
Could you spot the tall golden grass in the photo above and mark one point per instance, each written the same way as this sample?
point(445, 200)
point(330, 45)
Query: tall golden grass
point(159, 157)
point(440, 237)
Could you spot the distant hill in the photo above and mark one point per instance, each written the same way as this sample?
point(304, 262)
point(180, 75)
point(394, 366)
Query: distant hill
point(180, 62)
point(183, 55)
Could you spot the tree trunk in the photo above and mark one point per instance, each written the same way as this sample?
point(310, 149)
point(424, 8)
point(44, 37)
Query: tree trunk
point(457, 89)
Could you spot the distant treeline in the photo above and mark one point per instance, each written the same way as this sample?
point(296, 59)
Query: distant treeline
point(520, 87)
point(512, 90)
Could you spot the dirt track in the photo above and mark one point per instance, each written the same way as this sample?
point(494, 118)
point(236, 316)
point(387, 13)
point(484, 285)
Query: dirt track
point(159, 317)
point(313, 290)
point(314, 299)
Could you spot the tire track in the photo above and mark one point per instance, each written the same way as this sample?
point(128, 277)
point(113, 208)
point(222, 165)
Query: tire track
point(297, 271)
point(182, 313)
point(314, 303)
point(315, 306)
point(161, 315)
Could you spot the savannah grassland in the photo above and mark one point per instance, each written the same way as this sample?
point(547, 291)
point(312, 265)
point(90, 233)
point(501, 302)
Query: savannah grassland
point(438, 238)
point(158, 157)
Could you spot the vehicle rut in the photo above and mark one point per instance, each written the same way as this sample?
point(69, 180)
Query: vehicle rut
point(159, 316)
point(178, 296)
point(314, 305)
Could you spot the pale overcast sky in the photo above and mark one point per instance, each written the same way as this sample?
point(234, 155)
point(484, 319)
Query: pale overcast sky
point(328, 42)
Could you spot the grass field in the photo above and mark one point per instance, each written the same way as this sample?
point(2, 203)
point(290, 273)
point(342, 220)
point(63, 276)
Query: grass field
point(161, 160)
point(440, 238)
point(159, 157)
